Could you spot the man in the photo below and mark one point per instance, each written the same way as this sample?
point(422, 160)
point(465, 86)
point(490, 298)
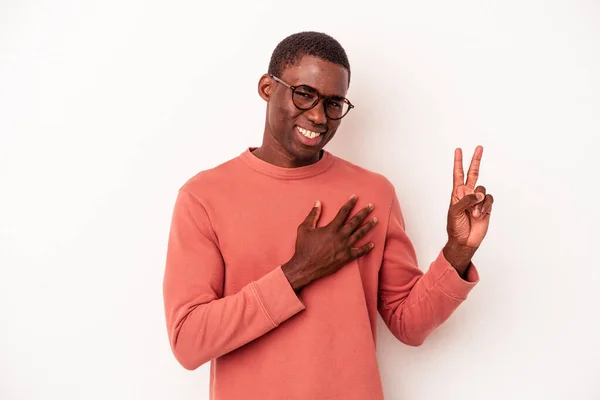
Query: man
point(280, 259)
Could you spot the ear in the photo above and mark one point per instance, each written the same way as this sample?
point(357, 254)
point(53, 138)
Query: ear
point(265, 86)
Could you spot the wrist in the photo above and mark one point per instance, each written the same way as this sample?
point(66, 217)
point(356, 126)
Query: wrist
point(459, 256)
point(293, 274)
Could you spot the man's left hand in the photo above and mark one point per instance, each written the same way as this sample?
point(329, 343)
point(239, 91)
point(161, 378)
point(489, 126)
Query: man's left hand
point(469, 213)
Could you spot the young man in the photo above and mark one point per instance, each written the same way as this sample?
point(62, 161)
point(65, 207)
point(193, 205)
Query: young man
point(280, 259)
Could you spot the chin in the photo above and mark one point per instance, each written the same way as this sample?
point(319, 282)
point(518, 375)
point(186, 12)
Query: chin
point(306, 153)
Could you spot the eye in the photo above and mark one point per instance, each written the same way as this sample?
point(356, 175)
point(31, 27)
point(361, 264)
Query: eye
point(335, 104)
point(305, 94)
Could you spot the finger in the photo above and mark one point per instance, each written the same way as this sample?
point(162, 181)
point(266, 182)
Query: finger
point(360, 233)
point(477, 209)
point(486, 217)
point(361, 251)
point(356, 220)
point(313, 217)
point(343, 213)
point(459, 175)
point(466, 202)
point(486, 207)
point(460, 193)
point(473, 173)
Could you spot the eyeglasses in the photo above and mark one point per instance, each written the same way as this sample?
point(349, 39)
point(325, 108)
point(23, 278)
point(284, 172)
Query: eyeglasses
point(305, 97)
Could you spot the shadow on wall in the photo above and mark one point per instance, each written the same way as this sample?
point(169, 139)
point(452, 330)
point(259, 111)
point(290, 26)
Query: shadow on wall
point(369, 131)
point(354, 140)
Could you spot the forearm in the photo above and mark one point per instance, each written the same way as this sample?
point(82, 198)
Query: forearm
point(413, 312)
point(200, 331)
point(459, 257)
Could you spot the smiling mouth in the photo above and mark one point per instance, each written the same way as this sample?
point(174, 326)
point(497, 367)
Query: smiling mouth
point(308, 134)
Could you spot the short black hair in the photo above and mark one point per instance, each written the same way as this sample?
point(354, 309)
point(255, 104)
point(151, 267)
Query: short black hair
point(291, 49)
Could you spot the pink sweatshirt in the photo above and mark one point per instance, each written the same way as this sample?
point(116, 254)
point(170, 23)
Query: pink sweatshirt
point(227, 300)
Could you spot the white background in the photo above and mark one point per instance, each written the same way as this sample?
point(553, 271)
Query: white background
point(107, 107)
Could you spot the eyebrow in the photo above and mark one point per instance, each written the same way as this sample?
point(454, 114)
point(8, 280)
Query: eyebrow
point(333, 96)
point(339, 98)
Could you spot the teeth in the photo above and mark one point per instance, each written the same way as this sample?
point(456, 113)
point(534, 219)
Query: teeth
point(308, 134)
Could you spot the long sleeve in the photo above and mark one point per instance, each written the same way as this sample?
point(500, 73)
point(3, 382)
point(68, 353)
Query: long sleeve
point(412, 303)
point(202, 324)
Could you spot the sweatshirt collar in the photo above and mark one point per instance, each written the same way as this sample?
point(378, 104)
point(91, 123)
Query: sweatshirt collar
point(274, 171)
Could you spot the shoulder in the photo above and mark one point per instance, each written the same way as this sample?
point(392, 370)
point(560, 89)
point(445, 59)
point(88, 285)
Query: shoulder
point(211, 179)
point(368, 179)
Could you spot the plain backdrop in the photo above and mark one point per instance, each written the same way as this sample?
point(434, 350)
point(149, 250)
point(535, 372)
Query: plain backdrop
point(107, 107)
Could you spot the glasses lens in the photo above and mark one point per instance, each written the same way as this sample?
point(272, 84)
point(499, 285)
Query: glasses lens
point(337, 108)
point(305, 97)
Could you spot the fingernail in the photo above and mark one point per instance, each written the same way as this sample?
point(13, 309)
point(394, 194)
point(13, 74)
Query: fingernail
point(375, 220)
point(353, 197)
point(370, 206)
point(476, 213)
point(479, 196)
point(318, 203)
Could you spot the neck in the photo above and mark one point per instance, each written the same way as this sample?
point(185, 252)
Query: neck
point(273, 152)
point(282, 158)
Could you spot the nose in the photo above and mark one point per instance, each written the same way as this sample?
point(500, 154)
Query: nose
point(317, 115)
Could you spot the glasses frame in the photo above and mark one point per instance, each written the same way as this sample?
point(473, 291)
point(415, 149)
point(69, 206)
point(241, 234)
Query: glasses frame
point(319, 97)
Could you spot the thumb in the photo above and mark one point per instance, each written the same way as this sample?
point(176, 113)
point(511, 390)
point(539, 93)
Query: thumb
point(313, 217)
point(468, 201)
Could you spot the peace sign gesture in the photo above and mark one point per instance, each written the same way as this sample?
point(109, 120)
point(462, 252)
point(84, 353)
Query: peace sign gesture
point(470, 206)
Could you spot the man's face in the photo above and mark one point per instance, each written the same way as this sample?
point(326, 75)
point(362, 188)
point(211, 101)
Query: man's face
point(293, 128)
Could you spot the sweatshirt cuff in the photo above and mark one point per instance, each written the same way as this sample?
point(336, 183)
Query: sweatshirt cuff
point(447, 280)
point(277, 297)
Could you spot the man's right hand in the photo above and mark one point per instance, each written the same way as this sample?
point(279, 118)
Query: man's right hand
point(323, 251)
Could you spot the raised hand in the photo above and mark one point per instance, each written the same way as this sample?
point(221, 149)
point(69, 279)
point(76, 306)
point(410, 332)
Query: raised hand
point(323, 251)
point(469, 212)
